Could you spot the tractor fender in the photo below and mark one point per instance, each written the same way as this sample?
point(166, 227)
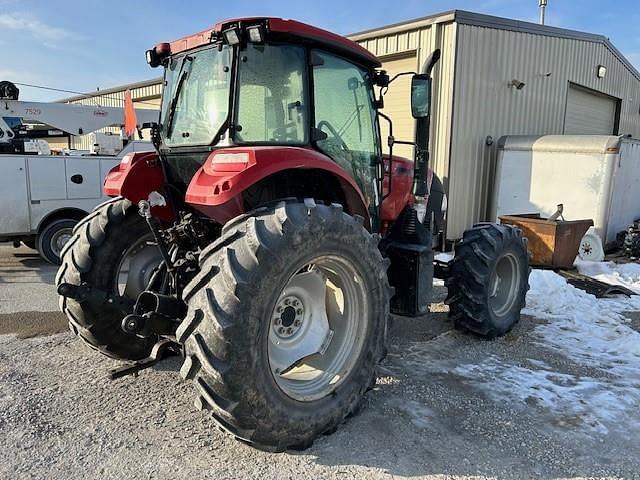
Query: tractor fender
point(135, 177)
point(399, 196)
point(396, 186)
point(216, 188)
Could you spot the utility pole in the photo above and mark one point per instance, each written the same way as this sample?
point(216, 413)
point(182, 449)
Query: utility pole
point(543, 5)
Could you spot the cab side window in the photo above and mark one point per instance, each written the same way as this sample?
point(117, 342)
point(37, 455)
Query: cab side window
point(345, 116)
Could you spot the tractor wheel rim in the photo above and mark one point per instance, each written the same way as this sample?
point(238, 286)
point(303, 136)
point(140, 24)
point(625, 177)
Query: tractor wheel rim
point(59, 239)
point(504, 285)
point(317, 328)
point(136, 267)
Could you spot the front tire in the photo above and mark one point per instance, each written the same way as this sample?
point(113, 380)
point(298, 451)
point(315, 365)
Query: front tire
point(259, 289)
point(109, 250)
point(489, 280)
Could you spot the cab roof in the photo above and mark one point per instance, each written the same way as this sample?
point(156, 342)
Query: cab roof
point(285, 30)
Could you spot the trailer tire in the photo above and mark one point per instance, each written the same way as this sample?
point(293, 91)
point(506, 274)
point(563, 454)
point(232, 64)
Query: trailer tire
point(489, 280)
point(229, 330)
point(52, 238)
point(91, 257)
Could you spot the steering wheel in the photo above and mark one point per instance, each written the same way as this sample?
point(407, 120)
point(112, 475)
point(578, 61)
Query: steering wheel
point(334, 132)
point(285, 133)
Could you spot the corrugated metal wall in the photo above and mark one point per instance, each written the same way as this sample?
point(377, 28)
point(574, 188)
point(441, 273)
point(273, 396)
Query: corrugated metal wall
point(487, 60)
point(423, 41)
point(144, 97)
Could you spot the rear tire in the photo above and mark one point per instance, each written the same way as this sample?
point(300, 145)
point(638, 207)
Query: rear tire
point(93, 256)
point(489, 280)
point(229, 331)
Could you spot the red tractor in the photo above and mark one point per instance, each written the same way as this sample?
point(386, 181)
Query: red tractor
point(270, 238)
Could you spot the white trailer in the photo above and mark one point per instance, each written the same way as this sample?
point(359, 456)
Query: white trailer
point(42, 197)
point(594, 176)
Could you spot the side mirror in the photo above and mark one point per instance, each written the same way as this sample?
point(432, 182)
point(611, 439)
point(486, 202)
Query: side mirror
point(420, 96)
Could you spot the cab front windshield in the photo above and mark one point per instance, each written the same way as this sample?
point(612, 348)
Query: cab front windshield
point(195, 105)
point(271, 102)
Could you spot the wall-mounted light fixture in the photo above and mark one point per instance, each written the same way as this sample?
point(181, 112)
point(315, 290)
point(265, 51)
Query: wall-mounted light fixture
point(519, 85)
point(601, 71)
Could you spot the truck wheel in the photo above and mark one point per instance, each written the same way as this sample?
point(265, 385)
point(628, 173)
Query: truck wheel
point(286, 323)
point(489, 279)
point(111, 250)
point(53, 237)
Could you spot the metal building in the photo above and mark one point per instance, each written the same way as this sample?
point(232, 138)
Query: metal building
point(496, 77)
point(502, 77)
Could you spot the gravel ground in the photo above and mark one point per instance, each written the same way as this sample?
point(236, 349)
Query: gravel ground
point(60, 418)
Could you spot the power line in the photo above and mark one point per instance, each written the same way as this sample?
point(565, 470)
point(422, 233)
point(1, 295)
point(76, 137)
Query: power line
point(87, 96)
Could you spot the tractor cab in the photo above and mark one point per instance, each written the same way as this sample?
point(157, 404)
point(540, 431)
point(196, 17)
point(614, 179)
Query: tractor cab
point(254, 84)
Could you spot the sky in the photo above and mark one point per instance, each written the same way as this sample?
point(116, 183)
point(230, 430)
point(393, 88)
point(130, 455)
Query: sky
point(82, 45)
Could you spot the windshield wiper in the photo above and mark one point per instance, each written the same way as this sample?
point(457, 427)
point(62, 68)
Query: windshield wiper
point(174, 103)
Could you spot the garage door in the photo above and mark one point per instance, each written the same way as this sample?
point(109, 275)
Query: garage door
point(589, 113)
point(397, 105)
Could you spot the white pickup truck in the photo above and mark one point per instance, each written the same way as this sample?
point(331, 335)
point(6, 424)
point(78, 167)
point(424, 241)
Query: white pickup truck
point(42, 197)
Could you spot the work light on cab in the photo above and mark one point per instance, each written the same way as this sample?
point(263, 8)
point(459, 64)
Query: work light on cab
point(157, 54)
point(256, 33)
point(232, 36)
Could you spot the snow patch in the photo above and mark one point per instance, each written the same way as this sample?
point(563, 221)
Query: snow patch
point(574, 401)
point(625, 274)
point(586, 329)
point(419, 415)
point(593, 333)
point(589, 331)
